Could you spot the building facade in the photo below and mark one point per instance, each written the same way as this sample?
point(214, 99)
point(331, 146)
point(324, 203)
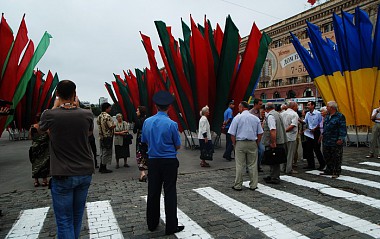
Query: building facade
point(283, 75)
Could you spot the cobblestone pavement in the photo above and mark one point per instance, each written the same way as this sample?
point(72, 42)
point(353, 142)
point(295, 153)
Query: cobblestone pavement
point(304, 205)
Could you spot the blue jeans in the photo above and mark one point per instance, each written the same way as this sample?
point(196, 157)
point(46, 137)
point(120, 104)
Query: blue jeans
point(69, 199)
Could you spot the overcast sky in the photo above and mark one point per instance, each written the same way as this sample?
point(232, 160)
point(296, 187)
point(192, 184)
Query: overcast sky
point(92, 39)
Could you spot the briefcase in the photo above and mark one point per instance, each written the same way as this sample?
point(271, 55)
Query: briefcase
point(274, 156)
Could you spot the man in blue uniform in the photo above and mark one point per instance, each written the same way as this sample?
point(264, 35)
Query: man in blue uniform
point(161, 135)
point(228, 117)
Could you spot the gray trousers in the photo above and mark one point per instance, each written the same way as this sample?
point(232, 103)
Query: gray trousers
point(105, 155)
point(292, 146)
point(375, 139)
point(246, 156)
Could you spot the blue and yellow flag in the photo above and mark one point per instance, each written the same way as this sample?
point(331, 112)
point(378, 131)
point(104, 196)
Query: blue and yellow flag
point(346, 71)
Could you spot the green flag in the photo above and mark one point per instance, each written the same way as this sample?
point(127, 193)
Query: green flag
point(21, 88)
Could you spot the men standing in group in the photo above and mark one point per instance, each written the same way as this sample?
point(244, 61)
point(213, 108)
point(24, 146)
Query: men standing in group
point(313, 119)
point(257, 104)
point(274, 136)
point(245, 133)
point(106, 127)
point(290, 118)
point(71, 161)
point(375, 117)
point(161, 135)
point(334, 133)
point(228, 116)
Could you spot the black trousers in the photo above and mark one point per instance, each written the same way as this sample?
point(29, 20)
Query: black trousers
point(312, 146)
point(229, 147)
point(162, 173)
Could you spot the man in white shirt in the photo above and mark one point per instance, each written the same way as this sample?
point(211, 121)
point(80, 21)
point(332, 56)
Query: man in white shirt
point(290, 119)
point(375, 117)
point(246, 132)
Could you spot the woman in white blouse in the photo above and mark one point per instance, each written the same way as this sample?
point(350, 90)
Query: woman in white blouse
point(204, 136)
point(121, 144)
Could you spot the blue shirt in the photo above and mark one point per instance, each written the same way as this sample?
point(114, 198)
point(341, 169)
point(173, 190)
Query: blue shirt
point(246, 126)
point(313, 119)
point(161, 135)
point(228, 114)
point(334, 128)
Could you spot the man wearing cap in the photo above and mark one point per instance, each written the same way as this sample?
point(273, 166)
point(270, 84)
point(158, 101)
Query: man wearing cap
point(161, 135)
point(228, 116)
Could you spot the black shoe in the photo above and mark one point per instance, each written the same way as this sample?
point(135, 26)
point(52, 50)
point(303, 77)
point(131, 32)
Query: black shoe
point(266, 179)
point(321, 168)
point(236, 189)
point(310, 168)
point(152, 228)
point(105, 170)
point(273, 181)
point(96, 166)
point(253, 189)
point(178, 229)
point(260, 170)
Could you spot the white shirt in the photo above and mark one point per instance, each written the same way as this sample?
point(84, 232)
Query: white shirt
point(290, 117)
point(245, 126)
point(204, 127)
point(377, 115)
point(270, 120)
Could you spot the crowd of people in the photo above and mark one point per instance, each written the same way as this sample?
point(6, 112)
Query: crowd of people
point(69, 156)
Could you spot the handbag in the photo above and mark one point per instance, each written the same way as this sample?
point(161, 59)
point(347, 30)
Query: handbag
point(207, 151)
point(206, 154)
point(274, 156)
point(106, 142)
point(127, 139)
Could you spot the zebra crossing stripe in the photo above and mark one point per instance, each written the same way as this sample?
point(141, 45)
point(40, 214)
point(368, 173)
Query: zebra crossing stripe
point(371, 164)
point(359, 170)
point(101, 221)
point(267, 225)
point(192, 229)
point(29, 223)
point(364, 182)
point(326, 189)
point(330, 213)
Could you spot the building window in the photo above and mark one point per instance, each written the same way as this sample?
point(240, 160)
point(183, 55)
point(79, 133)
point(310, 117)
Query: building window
point(277, 82)
point(291, 94)
point(263, 96)
point(308, 93)
point(308, 79)
point(292, 80)
point(276, 95)
point(264, 84)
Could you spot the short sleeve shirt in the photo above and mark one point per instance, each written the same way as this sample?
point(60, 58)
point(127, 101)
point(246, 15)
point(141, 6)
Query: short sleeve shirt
point(290, 117)
point(70, 151)
point(245, 126)
point(228, 115)
point(162, 136)
point(105, 123)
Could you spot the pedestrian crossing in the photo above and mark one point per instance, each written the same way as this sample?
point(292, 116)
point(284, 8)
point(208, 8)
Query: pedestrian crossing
point(102, 220)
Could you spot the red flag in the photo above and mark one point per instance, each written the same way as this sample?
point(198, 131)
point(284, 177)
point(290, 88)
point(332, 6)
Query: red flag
point(312, 2)
point(6, 39)
point(218, 38)
point(119, 99)
point(36, 95)
point(211, 70)
point(173, 85)
point(9, 83)
point(133, 87)
point(201, 62)
point(246, 66)
point(25, 60)
point(45, 89)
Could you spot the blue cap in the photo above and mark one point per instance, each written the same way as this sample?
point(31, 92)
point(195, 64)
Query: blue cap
point(163, 98)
